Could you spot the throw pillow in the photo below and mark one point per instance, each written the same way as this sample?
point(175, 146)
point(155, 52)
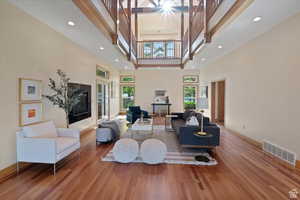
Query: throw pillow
point(192, 121)
point(187, 114)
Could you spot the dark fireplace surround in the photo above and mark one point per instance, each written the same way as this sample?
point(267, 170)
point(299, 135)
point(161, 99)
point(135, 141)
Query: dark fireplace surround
point(83, 109)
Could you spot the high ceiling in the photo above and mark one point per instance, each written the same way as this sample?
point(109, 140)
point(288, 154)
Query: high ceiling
point(165, 26)
point(153, 3)
point(56, 13)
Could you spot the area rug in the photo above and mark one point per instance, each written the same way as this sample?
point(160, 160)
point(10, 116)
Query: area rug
point(175, 153)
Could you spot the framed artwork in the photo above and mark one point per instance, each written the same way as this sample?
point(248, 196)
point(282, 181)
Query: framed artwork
point(127, 79)
point(30, 113)
point(190, 79)
point(30, 90)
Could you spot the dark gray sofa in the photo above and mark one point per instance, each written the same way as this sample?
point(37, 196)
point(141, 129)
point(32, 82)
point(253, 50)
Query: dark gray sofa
point(186, 133)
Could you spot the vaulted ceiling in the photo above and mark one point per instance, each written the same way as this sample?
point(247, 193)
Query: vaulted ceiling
point(56, 14)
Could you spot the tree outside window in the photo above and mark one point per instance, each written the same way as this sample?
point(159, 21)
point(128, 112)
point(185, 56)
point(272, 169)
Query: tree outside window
point(189, 97)
point(127, 95)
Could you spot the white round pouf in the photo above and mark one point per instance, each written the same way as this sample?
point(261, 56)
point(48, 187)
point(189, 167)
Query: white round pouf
point(125, 150)
point(153, 151)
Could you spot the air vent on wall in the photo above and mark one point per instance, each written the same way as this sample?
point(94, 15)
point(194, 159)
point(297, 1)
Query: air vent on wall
point(279, 152)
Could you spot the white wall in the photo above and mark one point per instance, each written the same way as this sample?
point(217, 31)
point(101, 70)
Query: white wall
point(31, 49)
point(149, 80)
point(263, 87)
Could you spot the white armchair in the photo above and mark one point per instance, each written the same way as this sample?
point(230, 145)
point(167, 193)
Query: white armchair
point(43, 143)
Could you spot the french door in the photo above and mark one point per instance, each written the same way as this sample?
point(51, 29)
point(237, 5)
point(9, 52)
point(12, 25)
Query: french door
point(190, 93)
point(103, 103)
point(127, 96)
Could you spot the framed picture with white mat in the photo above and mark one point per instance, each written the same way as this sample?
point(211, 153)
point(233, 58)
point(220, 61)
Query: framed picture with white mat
point(31, 113)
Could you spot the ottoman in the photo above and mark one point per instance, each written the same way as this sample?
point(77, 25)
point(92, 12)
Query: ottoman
point(103, 135)
point(153, 151)
point(125, 150)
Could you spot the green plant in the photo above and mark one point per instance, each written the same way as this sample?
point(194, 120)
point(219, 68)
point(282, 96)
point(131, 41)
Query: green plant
point(189, 105)
point(63, 96)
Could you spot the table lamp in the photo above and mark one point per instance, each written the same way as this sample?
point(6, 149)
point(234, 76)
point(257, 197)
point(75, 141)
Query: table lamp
point(200, 109)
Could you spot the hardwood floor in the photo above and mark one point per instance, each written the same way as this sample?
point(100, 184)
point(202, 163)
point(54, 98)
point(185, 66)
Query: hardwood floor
point(243, 173)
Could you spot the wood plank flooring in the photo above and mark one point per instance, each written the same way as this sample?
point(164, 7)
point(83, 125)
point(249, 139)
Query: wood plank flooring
point(244, 172)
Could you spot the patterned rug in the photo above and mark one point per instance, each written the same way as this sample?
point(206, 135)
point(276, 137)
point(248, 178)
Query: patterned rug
point(175, 155)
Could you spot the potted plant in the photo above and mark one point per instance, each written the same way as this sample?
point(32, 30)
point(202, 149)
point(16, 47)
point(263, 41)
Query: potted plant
point(63, 96)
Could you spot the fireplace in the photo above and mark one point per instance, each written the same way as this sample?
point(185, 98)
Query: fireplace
point(83, 109)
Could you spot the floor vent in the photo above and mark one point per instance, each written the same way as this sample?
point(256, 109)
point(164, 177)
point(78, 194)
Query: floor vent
point(280, 152)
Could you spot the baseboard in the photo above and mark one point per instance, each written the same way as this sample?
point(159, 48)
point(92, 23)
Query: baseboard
point(260, 146)
point(246, 138)
point(298, 164)
point(11, 170)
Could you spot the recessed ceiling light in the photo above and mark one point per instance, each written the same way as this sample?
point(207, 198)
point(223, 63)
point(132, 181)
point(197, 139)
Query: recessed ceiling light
point(71, 23)
point(118, 21)
point(220, 46)
point(203, 59)
point(101, 48)
point(257, 19)
point(116, 60)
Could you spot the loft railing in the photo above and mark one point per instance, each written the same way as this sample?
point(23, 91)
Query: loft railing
point(111, 7)
point(212, 7)
point(185, 43)
point(124, 24)
point(134, 45)
point(197, 19)
point(159, 49)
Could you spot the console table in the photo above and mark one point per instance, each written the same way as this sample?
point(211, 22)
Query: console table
point(168, 105)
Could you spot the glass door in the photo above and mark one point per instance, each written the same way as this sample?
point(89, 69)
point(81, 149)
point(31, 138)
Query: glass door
point(127, 96)
point(190, 96)
point(103, 101)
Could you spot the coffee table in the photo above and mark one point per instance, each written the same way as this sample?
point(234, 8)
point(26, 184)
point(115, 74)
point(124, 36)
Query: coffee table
point(144, 127)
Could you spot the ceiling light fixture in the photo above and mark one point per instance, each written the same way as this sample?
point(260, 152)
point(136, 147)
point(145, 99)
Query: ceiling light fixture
point(101, 48)
point(167, 7)
point(116, 60)
point(257, 19)
point(71, 23)
point(220, 47)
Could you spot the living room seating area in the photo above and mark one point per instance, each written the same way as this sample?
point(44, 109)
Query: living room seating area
point(44, 143)
point(135, 112)
point(187, 134)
